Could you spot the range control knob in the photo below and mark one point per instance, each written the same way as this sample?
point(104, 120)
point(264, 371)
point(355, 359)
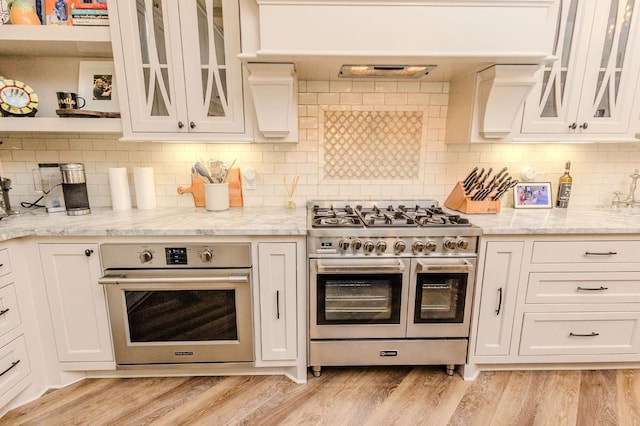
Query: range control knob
point(399, 247)
point(417, 247)
point(463, 244)
point(206, 256)
point(344, 245)
point(356, 244)
point(430, 246)
point(381, 247)
point(450, 244)
point(368, 247)
point(146, 256)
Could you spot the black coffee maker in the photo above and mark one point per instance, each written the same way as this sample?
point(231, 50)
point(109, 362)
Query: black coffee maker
point(74, 189)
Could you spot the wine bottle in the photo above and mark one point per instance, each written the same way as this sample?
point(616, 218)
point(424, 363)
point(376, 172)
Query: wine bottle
point(564, 187)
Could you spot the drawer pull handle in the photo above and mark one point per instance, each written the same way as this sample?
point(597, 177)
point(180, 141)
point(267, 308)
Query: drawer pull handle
point(592, 334)
point(13, 364)
point(499, 301)
point(278, 304)
point(592, 289)
point(591, 253)
point(4, 311)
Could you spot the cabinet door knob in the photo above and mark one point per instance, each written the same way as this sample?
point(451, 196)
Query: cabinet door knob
point(180, 124)
point(584, 126)
point(573, 126)
point(88, 252)
point(192, 125)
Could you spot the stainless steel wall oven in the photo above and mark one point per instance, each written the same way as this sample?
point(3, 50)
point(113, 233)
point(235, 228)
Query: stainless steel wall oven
point(179, 303)
point(392, 292)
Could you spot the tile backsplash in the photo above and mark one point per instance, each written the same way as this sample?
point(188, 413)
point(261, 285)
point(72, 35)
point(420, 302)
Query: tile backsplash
point(341, 154)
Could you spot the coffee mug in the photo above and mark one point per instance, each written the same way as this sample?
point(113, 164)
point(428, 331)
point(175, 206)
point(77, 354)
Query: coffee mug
point(69, 100)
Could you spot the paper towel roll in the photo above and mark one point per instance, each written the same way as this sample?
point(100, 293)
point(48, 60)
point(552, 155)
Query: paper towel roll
point(145, 187)
point(119, 184)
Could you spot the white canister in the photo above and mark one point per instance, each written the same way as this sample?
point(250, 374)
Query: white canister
point(216, 196)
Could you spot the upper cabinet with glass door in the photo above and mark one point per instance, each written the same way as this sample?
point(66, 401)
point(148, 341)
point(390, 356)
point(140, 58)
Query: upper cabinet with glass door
point(182, 77)
point(588, 93)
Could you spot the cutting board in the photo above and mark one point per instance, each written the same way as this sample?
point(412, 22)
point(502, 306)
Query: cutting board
point(196, 189)
point(235, 189)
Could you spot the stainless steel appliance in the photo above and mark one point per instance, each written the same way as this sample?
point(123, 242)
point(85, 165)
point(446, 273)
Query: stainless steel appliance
point(390, 283)
point(179, 303)
point(74, 189)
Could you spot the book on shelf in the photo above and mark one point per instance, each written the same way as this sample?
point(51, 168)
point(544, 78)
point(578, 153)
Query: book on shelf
point(89, 12)
point(90, 6)
point(90, 17)
point(89, 22)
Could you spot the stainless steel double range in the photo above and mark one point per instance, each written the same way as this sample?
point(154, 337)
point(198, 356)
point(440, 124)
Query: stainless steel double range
point(390, 283)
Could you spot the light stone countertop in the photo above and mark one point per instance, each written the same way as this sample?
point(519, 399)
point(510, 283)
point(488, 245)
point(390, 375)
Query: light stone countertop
point(239, 221)
point(248, 221)
point(572, 220)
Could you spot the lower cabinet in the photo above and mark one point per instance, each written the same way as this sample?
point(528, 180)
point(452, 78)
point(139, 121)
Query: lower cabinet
point(77, 305)
point(277, 281)
point(557, 299)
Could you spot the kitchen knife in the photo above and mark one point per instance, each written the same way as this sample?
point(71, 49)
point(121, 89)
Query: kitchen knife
point(505, 188)
point(469, 176)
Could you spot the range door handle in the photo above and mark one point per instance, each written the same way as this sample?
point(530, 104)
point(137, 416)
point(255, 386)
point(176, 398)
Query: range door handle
point(358, 266)
point(445, 265)
point(122, 279)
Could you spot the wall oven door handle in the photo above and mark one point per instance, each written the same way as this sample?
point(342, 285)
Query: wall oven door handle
point(122, 279)
point(358, 266)
point(445, 265)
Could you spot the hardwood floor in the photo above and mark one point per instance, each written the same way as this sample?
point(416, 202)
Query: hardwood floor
point(347, 396)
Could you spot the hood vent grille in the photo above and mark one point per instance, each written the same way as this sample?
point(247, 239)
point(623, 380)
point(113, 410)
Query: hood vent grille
point(385, 71)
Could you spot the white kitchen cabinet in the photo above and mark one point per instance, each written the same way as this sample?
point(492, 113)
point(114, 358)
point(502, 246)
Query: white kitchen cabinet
point(182, 78)
point(47, 58)
point(77, 305)
point(588, 93)
point(500, 276)
point(15, 368)
point(575, 300)
point(277, 280)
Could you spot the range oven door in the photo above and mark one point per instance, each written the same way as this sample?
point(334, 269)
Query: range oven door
point(180, 316)
point(440, 296)
point(358, 298)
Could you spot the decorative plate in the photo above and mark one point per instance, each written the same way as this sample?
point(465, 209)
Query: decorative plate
point(17, 99)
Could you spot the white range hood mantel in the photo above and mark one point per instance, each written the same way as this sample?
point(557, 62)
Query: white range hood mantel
point(319, 36)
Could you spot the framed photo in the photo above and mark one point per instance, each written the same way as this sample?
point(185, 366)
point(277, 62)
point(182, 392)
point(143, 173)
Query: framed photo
point(532, 195)
point(97, 85)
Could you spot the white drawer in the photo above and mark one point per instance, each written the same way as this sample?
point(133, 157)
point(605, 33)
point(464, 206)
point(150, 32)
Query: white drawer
point(5, 266)
point(583, 287)
point(9, 312)
point(580, 333)
point(14, 369)
point(609, 251)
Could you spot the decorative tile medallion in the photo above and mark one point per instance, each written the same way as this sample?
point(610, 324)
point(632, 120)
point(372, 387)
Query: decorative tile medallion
point(372, 144)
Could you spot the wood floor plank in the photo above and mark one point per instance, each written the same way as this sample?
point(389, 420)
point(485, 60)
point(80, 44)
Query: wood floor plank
point(558, 403)
point(520, 399)
point(628, 392)
point(346, 396)
point(427, 396)
point(598, 398)
point(479, 404)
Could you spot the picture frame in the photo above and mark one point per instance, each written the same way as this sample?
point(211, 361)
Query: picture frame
point(95, 76)
point(532, 195)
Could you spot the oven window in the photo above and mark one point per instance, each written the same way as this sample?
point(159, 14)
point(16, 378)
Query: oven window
point(185, 315)
point(440, 298)
point(359, 298)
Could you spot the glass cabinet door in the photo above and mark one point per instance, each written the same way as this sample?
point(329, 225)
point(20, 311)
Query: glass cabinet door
point(182, 70)
point(590, 87)
point(210, 45)
point(611, 74)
